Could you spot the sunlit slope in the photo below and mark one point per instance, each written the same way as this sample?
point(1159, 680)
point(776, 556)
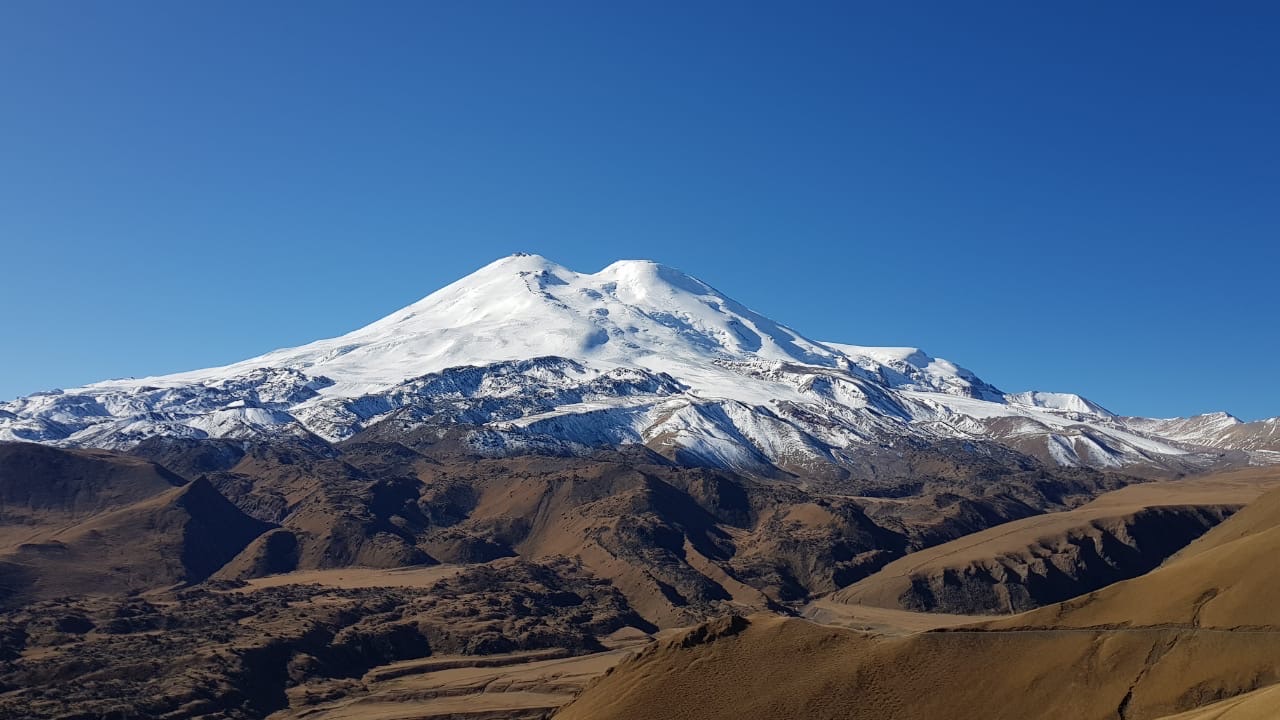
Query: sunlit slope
point(1200, 629)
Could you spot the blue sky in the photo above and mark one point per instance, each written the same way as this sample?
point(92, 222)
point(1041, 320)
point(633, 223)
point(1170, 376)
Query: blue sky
point(1073, 196)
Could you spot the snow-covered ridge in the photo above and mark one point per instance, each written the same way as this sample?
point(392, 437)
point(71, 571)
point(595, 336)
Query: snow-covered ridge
point(1067, 402)
point(536, 356)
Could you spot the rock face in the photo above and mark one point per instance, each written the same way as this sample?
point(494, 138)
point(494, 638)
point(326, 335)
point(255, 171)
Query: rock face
point(240, 651)
point(534, 357)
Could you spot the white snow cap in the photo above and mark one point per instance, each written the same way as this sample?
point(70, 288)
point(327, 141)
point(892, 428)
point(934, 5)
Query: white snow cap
point(640, 352)
point(632, 313)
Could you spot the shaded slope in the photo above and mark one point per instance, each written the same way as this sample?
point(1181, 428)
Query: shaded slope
point(1048, 558)
point(180, 536)
point(1050, 568)
point(44, 487)
point(1226, 580)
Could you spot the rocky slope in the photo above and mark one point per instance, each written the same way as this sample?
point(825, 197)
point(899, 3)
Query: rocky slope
point(237, 651)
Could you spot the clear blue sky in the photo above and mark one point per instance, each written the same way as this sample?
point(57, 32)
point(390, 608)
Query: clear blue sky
point(1062, 196)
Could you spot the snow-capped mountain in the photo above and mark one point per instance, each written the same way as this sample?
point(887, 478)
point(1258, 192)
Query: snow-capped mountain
point(530, 355)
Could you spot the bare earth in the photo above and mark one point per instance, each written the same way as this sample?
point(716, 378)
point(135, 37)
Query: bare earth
point(883, 621)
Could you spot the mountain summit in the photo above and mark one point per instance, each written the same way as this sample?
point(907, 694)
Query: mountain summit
point(634, 313)
point(530, 355)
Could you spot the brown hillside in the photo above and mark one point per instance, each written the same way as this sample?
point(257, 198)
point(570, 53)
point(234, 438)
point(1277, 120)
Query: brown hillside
point(43, 488)
point(1200, 629)
point(180, 536)
point(1049, 558)
point(682, 543)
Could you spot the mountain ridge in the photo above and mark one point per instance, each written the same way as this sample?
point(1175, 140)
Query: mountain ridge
point(537, 357)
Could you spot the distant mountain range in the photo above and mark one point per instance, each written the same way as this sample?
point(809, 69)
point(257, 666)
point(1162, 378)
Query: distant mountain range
point(525, 356)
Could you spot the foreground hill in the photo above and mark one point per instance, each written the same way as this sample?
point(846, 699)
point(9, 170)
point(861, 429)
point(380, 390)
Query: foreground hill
point(1197, 630)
